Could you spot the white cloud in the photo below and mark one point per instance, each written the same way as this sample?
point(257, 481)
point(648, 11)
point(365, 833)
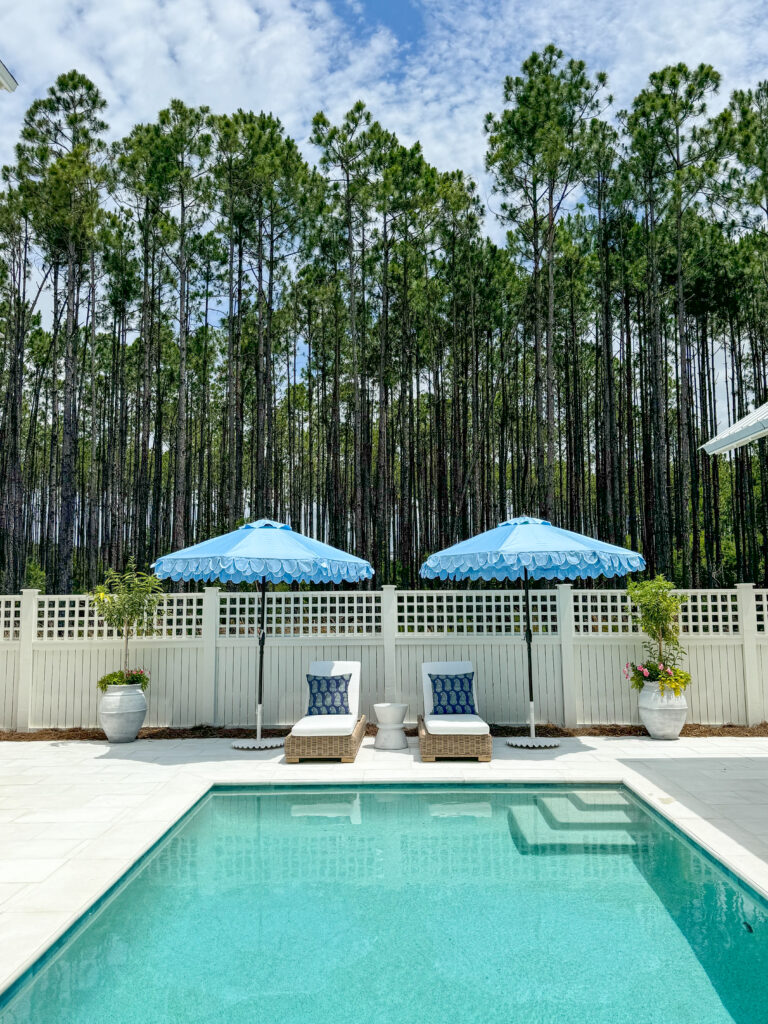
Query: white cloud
point(293, 57)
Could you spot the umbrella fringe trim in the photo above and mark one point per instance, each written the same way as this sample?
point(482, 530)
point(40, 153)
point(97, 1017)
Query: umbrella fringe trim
point(540, 565)
point(256, 570)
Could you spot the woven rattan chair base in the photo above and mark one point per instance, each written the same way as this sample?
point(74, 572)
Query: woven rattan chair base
point(327, 748)
point(454, 745)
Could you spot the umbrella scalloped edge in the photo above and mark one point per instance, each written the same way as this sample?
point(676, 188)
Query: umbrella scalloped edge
point(256, 570)
point(551, 565)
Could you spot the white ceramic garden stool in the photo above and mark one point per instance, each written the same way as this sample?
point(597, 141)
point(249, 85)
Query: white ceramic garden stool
point(391, 734)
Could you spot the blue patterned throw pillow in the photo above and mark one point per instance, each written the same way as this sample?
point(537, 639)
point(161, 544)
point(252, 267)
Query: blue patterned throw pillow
point(452, 695)
point(329, 695)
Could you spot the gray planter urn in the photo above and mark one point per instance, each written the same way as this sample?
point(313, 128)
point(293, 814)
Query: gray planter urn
point(663, 715)
point(122, 711)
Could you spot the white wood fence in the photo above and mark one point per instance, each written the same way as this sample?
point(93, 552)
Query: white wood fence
point(203, 655)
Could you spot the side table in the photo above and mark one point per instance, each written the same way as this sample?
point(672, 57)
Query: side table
point(391, 734)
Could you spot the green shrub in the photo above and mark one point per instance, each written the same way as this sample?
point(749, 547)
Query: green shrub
point(34, 576)
point(134, 676)
point(667, 676)
point(127, 601)
point(659, 609)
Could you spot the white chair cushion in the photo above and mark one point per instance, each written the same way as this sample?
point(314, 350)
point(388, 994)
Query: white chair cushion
point(452, 725)
point(325, 725)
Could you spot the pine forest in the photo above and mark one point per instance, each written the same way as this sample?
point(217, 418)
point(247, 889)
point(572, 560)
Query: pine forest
point(202, 324)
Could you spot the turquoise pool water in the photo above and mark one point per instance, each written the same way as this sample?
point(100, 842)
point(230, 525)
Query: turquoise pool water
point(335, 906)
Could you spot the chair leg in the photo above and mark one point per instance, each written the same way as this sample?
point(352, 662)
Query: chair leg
point(347, 760)
point(291, 760)
point(427, 758)
point(484, 757)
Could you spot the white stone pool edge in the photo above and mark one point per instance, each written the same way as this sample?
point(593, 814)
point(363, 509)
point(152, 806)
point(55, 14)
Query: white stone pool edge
point(75, 816)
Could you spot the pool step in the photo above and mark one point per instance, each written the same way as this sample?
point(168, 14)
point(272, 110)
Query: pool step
point(598, 799)
point(562, 813)
point(555, 825)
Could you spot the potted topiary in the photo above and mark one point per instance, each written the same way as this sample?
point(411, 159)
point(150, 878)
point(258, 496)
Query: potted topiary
point(126, 602)
point(660, 680)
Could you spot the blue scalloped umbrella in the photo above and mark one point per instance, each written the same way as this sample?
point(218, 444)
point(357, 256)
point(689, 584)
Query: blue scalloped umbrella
point(530, 549)
point(263, 552)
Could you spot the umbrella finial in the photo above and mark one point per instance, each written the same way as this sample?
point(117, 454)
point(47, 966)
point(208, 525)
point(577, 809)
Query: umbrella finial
point(270, 524)
point(524, 521)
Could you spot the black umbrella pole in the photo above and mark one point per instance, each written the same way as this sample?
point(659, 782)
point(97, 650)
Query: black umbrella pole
point(528, 643)
point(261, 632)
point(262, 641)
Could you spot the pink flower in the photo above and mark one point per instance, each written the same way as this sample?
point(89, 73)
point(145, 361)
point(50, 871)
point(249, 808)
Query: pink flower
point(640, 668)
point(627, 665)
point(661, 666)
point(646, 673)
point(669, 671)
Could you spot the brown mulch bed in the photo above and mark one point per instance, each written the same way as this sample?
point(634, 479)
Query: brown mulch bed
point(197, 732)
point(206, 732)
point(689, 729)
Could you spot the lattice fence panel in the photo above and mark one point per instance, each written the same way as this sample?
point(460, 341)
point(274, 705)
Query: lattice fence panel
point(64, 617)
point(349, 613)
point(761, 610)
point(710, 612)
point(475, 613)
point(10, 618)
point(596, 611)
point(180, 616)
point(72, 617)
point(238, 614)
point(306, 613)
point(704, 612)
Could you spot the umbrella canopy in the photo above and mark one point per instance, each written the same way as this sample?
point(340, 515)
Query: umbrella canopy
point(526, 548)
point(263, 552)
point(534, 547)
point(751, 427)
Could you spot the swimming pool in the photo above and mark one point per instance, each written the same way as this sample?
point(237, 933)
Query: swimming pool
point(413, 904)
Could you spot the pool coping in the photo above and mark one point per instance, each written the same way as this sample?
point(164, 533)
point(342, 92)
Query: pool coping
point(713, 843)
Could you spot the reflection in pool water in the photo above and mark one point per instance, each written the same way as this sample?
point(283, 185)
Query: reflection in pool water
point(431, 904)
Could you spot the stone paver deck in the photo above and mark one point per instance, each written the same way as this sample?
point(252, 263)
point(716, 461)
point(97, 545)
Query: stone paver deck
point(74, 816)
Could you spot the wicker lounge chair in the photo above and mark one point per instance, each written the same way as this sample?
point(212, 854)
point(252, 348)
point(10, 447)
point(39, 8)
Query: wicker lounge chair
point(451, 735)
point(329, 737)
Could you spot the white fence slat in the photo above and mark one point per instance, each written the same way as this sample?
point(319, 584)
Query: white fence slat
point(9, 668)
point(762, 668)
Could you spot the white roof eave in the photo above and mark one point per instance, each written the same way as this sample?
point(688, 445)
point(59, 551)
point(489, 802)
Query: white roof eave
point(750, 428)
point(7, 81)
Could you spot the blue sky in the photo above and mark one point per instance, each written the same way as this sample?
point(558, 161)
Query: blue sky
point(428, 69)
point(404, 18)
